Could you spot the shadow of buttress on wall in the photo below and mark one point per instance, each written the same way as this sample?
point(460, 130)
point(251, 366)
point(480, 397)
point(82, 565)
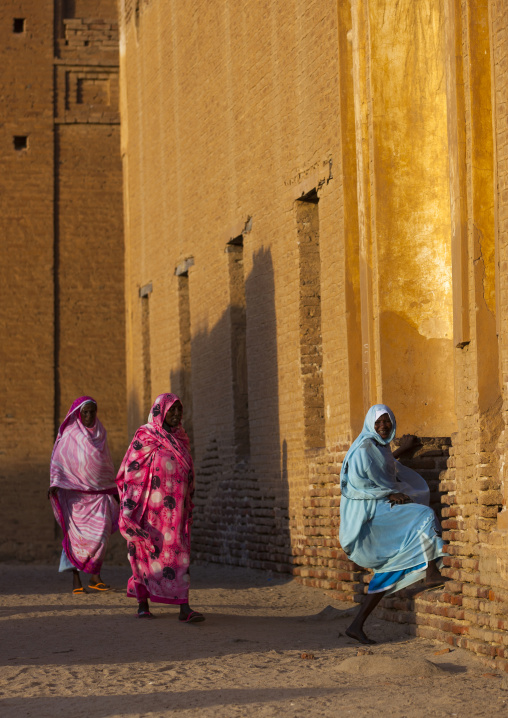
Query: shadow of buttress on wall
point(241, 514)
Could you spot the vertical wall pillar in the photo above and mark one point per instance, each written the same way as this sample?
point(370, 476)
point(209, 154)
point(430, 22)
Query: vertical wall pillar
point(476, 497)
point(184, 321)
point(144, 295)
point(27, 348)
point(364, 138)
point(479, 399)
point(499, 74)
point(480, 185)
point(470, 122)
point(311, 343)
point(181, 382)
point(350, 218)
point(404, 211)
point(239, 371)
point(458, 173)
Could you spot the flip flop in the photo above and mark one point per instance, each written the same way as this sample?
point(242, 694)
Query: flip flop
point(99, 586)
point(79, 590)
point(192, 617)
point(145, 614)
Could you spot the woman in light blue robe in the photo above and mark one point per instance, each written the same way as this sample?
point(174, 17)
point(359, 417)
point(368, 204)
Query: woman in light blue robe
point(385, 521)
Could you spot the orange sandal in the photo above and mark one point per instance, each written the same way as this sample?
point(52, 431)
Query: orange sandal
point(99, 586)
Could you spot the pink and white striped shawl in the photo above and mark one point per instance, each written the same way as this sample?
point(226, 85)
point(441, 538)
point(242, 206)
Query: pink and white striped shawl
point(83, 471)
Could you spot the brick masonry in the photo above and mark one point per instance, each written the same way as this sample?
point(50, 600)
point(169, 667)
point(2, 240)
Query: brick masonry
point(231, 114)
point(393, 286)
point(471, 612)
point(61, 227)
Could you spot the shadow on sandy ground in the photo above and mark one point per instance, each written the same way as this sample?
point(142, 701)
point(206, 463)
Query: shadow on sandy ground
point(269, 646)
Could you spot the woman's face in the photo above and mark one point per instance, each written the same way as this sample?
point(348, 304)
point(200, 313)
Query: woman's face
point(174, 415)
point(88, 413)
point(383, 426)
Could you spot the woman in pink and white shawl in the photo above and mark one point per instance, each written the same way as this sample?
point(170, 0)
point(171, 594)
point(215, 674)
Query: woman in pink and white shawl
point(156, 484)
point(83, 492)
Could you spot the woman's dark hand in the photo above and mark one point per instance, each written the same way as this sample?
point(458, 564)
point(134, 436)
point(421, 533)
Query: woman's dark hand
point(52, 491)
point(408, 441)
point(399, 499)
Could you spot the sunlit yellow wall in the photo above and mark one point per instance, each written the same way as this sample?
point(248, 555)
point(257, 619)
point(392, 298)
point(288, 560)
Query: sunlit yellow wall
point(348, 166)
point(245, 126)
point(409, 260)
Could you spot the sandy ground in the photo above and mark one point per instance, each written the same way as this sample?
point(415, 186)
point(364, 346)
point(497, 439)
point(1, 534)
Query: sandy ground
point(77, 656)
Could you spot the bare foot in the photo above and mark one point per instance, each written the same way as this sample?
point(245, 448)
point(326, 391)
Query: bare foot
point(359, 636)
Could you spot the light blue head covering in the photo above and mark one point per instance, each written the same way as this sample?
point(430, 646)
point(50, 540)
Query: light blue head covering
point(368, 432)
point(372, 416)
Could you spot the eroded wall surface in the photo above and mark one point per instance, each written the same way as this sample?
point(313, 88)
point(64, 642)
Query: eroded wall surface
point(62, 320)
point(314, 217)
point(277, 147)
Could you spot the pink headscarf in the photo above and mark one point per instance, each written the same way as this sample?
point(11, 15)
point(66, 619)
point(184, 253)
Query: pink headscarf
point(139, 463)
point(81, 460)
point(177, 439)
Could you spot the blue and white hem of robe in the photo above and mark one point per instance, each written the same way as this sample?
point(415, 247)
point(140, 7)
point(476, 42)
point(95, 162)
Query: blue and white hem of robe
point(392, 581)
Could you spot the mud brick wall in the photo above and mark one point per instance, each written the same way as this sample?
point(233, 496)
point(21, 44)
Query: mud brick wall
point(89, 197)
point(471, 612)
point(236, 520)
point(499, 60)
point(233, 117)
point(228, 335)
point(61, 231)
point(27, 383)
point(98, 34)
point(319, 560)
